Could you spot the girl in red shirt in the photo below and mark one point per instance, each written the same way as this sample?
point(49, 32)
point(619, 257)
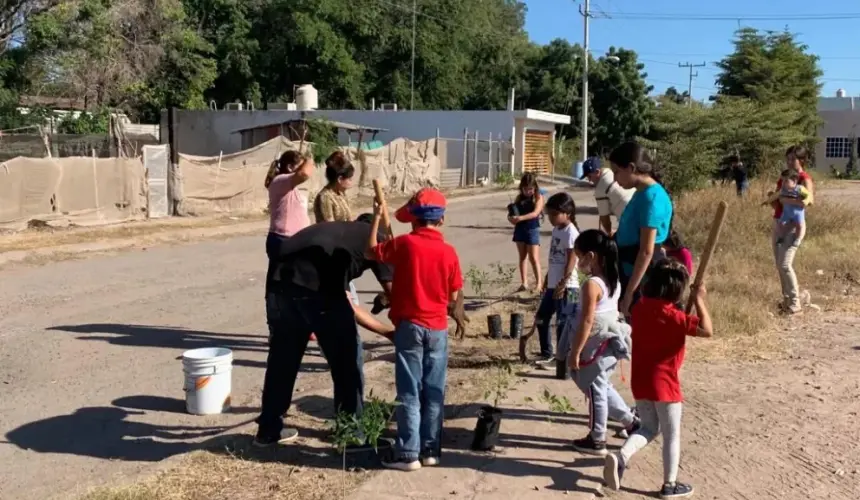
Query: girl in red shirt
point(660, 331)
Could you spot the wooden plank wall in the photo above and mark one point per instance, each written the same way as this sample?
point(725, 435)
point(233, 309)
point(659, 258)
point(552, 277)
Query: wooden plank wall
point(537, 152)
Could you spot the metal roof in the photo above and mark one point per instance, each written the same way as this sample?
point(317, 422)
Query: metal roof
point(334, 123)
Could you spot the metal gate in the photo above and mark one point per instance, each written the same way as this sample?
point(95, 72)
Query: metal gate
point(155, 160)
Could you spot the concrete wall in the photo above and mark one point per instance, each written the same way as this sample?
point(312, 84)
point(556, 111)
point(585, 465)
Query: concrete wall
point(208, 133)
point(837, 123)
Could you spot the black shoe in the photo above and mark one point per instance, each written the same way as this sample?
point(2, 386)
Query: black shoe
point(676, 490)
point(589, 446)
point(613, 472)
point(627, 432)
point(264, 440)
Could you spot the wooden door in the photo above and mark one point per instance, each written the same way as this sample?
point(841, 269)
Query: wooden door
point(537, 154)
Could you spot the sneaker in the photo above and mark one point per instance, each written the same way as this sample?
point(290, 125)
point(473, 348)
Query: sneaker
point(676, 490)
point(429, 461)
point(262, 440)
point(402, 465)
point(613, 471)
point(589, 446)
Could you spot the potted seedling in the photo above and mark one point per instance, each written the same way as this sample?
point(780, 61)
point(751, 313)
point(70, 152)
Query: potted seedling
point(351, 430)
point(490, 417)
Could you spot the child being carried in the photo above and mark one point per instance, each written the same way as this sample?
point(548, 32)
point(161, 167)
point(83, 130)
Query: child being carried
point(794, 199)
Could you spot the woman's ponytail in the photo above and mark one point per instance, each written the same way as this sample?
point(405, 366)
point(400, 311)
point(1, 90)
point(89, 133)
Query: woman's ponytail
point(270, 175)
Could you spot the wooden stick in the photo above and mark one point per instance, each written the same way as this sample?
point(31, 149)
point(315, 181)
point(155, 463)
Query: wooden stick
point(716, 227)
point(380, 198)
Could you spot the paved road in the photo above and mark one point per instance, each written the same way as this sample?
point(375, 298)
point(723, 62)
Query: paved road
point(90, 379)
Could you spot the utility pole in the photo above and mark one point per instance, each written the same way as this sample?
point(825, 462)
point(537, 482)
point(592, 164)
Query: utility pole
point(412, 77)
point(692, 75)
point(585, 10)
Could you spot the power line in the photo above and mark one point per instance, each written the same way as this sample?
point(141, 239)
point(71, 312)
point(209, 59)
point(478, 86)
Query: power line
point(651, 16)
point(692, 75)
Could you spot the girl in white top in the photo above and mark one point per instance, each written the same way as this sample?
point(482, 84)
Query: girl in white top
point(597, 340)
point(562, 283)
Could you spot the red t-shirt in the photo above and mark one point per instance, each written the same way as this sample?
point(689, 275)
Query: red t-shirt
point(801, 178)
point(659, 334)
point(426, 273)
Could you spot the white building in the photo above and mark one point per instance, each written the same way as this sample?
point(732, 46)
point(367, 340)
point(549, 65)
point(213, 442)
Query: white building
point(839, 131)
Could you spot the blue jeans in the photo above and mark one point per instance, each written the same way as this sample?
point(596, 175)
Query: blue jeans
point(420, 371)
point(548, 307)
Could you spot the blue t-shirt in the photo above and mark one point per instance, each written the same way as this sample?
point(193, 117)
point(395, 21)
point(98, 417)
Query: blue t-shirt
point(650, 208)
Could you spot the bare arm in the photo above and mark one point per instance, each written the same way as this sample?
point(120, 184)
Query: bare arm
point(569, 269)
point(372, 241)
point(369, 322)
point(647, 238)
point(706, 328)
point(534, 214)
point(606, 224)
point(304, 172)
point(590, 297)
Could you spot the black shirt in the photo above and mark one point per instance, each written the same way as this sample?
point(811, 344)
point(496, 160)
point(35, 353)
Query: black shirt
point(740, 174)
point(325, 257)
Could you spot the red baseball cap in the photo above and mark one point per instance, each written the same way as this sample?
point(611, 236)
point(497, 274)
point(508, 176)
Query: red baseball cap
point(426, 204)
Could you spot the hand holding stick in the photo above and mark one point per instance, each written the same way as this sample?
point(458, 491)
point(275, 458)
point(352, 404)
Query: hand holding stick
point(714, 235)
point(383, 208)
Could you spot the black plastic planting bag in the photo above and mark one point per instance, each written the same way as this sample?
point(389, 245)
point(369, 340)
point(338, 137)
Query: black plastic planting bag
point(487, 429)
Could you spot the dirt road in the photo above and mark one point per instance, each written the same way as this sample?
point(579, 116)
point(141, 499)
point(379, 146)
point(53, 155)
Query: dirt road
point(89, 370)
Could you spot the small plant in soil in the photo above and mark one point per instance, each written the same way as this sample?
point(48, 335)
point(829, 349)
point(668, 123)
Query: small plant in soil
point(555, 403)
point(478, 279)
point(505, 180)
point(494, 276)
point(501, 381)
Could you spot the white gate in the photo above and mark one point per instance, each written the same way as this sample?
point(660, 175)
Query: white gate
point(155, 159)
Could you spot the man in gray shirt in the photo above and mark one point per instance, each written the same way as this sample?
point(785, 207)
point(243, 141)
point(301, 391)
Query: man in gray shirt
point(611, 198)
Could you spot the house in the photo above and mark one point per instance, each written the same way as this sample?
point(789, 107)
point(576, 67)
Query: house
point(839, 131)
point(296, 129)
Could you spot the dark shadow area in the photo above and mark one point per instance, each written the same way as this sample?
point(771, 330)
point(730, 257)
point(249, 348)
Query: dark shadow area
point(537, 374)
point(165, 336)
point(166, 405)
point(856, 347)
point(105, 432)
point(317, 406)
point(586, 210)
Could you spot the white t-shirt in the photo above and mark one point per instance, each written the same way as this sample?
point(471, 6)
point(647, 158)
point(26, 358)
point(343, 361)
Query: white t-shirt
point(610, 196)
point(562, 241)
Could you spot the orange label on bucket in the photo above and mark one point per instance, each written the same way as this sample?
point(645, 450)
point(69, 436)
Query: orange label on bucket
point(201, 382)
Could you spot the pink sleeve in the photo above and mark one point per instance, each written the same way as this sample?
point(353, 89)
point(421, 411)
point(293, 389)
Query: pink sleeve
point(687, 260)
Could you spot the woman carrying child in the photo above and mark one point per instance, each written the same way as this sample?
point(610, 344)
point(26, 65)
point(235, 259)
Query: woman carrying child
point(562, 283)
point(525, 213)
point(660, 331)
point(785, 247)
point(597, 340)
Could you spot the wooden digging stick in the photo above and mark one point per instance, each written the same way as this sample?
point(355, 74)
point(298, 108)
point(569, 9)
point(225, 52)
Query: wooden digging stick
point(716, 227)
point(380, 198)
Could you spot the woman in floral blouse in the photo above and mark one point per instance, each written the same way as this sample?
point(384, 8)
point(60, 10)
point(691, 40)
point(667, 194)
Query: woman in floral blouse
point(331, 203)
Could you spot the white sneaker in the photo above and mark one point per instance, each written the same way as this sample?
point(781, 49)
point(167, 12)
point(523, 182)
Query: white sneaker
point(430, 461)
point(402, 465)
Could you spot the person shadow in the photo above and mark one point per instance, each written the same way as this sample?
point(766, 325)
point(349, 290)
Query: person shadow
point(108, 433)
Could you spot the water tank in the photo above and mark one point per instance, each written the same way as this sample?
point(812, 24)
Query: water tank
point(840, 93)
point(307, 98)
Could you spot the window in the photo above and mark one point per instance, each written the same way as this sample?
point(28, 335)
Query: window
point(837, 147)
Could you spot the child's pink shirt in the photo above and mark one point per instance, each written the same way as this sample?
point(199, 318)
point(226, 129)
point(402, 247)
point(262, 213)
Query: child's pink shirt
point(683, 256)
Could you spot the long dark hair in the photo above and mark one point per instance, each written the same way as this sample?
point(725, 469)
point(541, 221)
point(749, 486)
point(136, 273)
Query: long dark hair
point(603, 246)
point(283, 165)
point(528, 180)
point(800, 153)
point(562, 202)
point(643, 162)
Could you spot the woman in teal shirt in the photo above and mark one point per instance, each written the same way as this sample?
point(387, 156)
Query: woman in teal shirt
point(644, 224)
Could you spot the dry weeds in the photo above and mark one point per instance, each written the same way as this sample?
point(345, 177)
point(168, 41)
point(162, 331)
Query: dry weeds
point(742, 282)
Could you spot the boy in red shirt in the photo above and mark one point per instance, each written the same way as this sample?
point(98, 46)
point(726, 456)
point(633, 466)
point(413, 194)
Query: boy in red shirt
point(426, 278)
point(660, 331)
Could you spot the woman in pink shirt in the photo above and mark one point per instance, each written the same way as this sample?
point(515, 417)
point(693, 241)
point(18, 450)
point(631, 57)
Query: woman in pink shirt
point(288, 207)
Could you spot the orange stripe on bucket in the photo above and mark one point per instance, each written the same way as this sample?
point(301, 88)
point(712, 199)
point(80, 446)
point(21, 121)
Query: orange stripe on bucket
point(201, 382)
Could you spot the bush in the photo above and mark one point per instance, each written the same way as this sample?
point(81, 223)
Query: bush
point(691, 142)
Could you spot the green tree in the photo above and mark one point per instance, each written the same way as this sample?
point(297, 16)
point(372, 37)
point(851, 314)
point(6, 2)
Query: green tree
point(673, 95)
point(770, 67)
point(620, 102)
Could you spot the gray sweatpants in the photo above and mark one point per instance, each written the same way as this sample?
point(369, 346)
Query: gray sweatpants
point(604, 403)
point(657, 418)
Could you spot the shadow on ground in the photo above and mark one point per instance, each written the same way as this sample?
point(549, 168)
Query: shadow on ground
point(108, 433)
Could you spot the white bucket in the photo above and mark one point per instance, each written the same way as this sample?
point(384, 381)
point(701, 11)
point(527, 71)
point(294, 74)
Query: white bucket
point(208, 380)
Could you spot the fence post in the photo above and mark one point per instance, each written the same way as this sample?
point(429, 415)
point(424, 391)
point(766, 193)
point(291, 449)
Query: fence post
point(465, 169)
point(436, 146)
point(475, 161)
point(173, 146)
point(490, 159)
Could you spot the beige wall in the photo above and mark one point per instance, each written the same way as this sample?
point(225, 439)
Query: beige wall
point(837, 123)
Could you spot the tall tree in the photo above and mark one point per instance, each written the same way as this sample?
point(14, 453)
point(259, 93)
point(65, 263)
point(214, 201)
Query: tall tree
point(672, 94)
point(770, 67)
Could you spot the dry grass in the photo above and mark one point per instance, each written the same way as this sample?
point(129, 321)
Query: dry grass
point(742, 282)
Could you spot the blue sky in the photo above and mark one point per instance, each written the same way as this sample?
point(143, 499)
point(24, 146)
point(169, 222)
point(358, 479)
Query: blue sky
point(662, 44)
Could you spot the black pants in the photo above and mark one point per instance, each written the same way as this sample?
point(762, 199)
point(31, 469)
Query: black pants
point(293, 313)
